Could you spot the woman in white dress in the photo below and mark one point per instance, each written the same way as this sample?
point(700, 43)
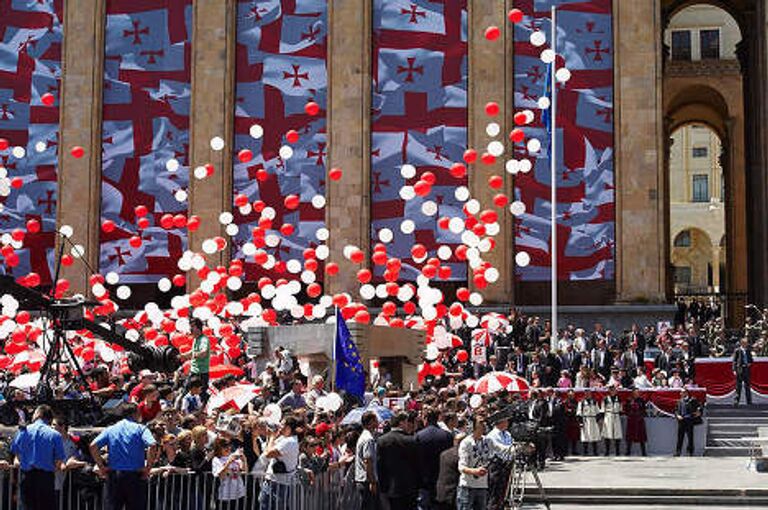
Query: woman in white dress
point(612, 422)
point(587, 411)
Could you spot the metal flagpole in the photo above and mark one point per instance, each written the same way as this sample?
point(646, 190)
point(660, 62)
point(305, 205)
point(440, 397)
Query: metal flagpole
point(553, 176)
point(333, 349)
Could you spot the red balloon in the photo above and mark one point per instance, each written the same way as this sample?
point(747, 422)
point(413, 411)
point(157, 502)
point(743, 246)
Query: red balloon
point(458, 170)
point(141, 211)
point(4, 144)
point(262, 175)
point(245, 155)
point(166, 221)
point(335, 174)
point(22, 317)
point(429, 178)
point(135, 241)
point(462, 356)
point(462, 294)
point(292, 202)
point(422, 188)
point(521, 118)
point(517, 135)
point(17, 234)
point(418, 251)
point(314, 290)
point(292, 136)
point(33, 226)
point(332, 269)
point(492, 33)
point(364, 275)
point(470, 156)
point(515, 15)
point(357, 256)
point(496, 181)
point(409, 307)
point(488, 159)
point(455, 309)
point(193, 223)
point(492, 109)
point(108, 226)
point(312, 108)
point(143, 223)
point(489, 216)
point(500, 200)
point(287, 229)
point(444, 223)
point(77, 152)
point(179, 221)
point(241, 200)
point(389, 308)
point(179, 280)
point(362, 317)
point(17, 183)
point(47, 99)
point(67, 260)
point(88, 354)
point(33, 279)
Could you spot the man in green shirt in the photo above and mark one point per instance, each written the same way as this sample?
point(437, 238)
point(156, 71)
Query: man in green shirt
point(200, 356)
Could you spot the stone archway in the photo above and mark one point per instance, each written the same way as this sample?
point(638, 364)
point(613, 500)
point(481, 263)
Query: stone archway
point(710, 93)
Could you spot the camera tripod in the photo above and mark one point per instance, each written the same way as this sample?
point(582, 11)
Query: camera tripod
point(518, 477)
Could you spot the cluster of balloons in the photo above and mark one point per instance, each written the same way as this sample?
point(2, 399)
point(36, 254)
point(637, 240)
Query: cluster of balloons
point(297, 291)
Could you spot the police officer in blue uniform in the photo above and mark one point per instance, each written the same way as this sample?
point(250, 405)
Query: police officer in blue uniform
point(132, 453)
point(40, 450)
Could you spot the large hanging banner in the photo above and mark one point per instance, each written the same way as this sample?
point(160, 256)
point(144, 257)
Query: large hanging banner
point(30, 68)
point(585, 180)
point(281, 68)
point(419, 118)
point(145, 140)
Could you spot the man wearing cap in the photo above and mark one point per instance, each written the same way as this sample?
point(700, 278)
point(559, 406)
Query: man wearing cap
point(146, 377)
point(40, 450)
point(131, 455)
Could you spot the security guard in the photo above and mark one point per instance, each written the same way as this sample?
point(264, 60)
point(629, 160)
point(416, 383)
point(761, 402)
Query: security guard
point(131, 456)
point(40, 451)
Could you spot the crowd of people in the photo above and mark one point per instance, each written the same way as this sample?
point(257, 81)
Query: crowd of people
point(436, 450)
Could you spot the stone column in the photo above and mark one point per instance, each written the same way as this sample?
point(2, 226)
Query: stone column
point(79, 180)
point(490, 70)
point(641, 252)
point(349, 146)
point(213, 71)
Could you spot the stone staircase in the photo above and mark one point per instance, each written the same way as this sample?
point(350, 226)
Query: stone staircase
point(727, 424)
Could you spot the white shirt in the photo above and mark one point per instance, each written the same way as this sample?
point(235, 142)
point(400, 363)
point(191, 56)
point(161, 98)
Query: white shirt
point(289, 454)
point(474, 453)
point(641, 381)
point(365, 449)
point(231, 484)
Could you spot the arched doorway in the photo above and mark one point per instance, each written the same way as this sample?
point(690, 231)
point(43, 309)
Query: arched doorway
point(705, 160)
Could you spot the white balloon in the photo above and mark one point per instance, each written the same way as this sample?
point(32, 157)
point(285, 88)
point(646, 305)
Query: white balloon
point(563, 74)
point(246, 209)
point(522, 259)
point(18, 152)
point(538, 38)
point(172, 165)
point(308, 277)
point(456, 225)
point(526, 166)
point(367, 291)
point(77, 251)
point(249, 249)
point(473, 206)
point(209, 246)
point(407, 227)
point(322, 234)
point(200, 173)
point(407, 193)
point(123, 292)
point(429, 208)
point(234, 283)
point(492, 275)
point(381, 291)
point(41, 146)
point(408, 171)
point(475, 401)
point(180, 195)
point(386, 235)
point(268, 213)
point(534, 145)
point(429, 313)
point(256, 131)
point(232, 229)
point(492, 229)
point(517, 208)
point(492, 129)
point(322, 252)
point(286, 152)
point(112, 278)
point(496, 148)
point(217, 143)
point(548, 56)
point(98, 290)
point(444, 252)
point(461, 193)
point(272, 240)
point(226, 218)
point(318, 201)
point(544, 103)
point(293, 266)
point(66, 231)
point(164, 284)
point(476, 299)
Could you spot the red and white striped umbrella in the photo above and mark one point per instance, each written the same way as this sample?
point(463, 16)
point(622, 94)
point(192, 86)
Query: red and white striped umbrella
point(494, 322)
point(497, 381)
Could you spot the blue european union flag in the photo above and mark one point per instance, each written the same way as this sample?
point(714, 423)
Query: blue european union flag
point(350, 375)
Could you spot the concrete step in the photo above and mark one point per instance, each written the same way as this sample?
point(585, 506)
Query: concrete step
point(744, 420)
point(720, 434)
point(676, 501)
point(728, 442)
point(645, 495)
point(726, 451)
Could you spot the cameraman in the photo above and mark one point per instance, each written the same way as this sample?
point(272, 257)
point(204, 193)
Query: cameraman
point(283, 452)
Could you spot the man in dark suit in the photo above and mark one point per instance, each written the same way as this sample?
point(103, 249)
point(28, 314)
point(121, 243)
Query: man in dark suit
point(665, 361)
point(688, 412)
point(432, 441)
point(538, 411)
point(521, 362)
point(602, 360)
point(448, 478)
point(557, 419)
point(550, 364)
point(742, 363)
point(398, 465)
point(570, 360)
point(534, 368)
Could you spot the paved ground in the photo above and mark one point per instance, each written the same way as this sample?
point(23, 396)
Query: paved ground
point(630, 507)
point(661, 472)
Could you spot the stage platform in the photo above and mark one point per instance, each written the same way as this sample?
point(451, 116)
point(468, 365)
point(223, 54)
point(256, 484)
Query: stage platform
point(619, 482)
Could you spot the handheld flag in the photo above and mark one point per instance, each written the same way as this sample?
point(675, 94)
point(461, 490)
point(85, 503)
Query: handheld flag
point(350, 375)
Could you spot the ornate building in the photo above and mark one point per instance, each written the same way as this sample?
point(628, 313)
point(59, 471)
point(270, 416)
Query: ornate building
point(164, 97)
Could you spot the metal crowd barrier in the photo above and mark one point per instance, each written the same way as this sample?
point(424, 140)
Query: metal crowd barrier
point(83, 490)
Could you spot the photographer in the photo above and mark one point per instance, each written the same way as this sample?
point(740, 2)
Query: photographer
point(283, 452)
point(228, 467)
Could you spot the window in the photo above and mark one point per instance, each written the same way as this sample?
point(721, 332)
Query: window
point(683, 239)
point(681, 45)
point(701, 188)
point(700, 152)
point(683, 275)
point(710, 44)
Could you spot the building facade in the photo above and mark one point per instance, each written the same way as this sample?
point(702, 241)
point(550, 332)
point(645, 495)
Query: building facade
point(164, 96)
